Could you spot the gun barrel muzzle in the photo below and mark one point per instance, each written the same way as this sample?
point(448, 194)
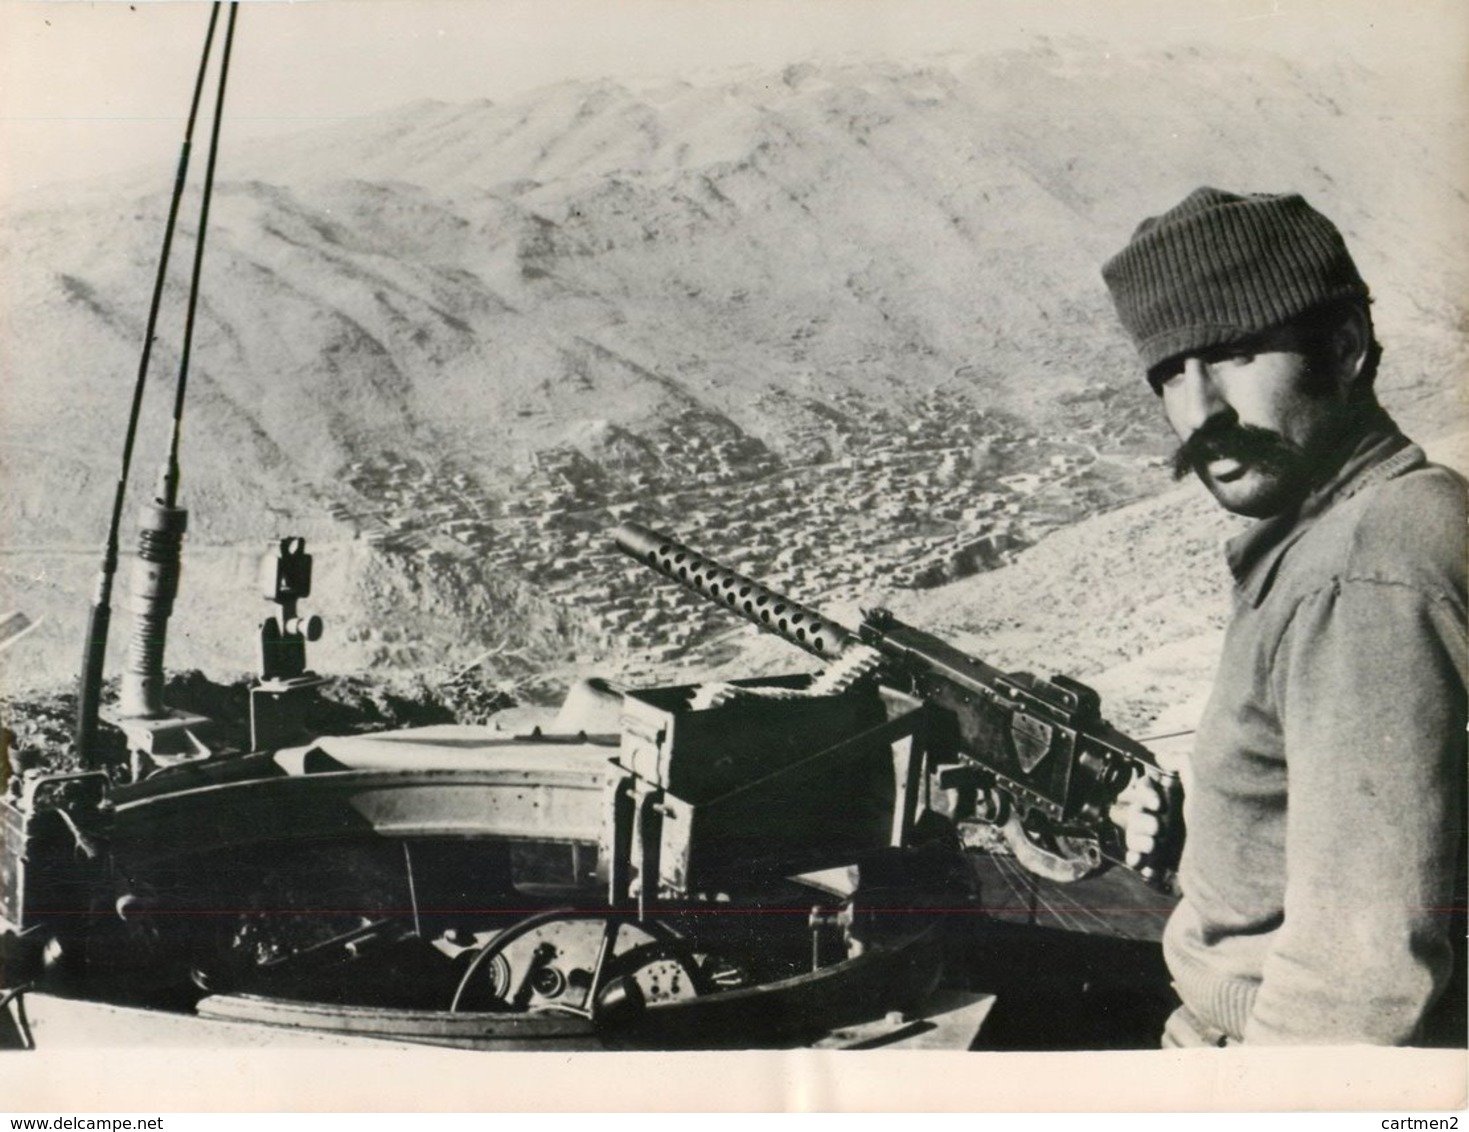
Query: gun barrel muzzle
point(800, 625)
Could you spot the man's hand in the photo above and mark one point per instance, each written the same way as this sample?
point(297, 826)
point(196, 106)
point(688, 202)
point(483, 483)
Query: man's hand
point(1140, 811)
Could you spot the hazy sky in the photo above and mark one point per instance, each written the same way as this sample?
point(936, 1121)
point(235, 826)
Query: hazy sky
point(88, 88)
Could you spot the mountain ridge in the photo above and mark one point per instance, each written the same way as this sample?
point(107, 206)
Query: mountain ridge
point(445, 326)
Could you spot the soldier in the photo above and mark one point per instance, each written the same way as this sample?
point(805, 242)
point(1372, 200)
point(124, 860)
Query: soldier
point(1322, 871)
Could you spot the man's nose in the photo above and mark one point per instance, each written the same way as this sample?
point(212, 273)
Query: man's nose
point(1196, 399)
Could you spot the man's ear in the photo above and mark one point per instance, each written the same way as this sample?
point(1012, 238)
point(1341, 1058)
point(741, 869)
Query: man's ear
point(1350, 344)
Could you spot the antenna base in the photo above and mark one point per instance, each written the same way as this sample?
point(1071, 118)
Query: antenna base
point(168, 739)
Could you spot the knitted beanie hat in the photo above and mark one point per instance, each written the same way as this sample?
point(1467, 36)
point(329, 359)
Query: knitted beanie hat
point(1222, 266)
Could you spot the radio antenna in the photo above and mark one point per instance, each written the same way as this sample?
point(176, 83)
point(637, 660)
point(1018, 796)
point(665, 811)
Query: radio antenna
point(94, 651)
point(170, 472)
point(94, 647)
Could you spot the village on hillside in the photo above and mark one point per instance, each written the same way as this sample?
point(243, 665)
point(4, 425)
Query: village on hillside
point(947, 491)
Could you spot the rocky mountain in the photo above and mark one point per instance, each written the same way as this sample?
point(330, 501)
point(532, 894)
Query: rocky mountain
point(451, 344)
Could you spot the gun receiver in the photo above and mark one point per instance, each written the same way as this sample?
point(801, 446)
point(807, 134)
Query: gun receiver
point(1032, 758)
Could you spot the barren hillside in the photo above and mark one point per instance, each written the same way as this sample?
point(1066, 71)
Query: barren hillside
point(841, 324)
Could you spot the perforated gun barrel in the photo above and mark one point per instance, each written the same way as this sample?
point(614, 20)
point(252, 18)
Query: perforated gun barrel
point(800, 625)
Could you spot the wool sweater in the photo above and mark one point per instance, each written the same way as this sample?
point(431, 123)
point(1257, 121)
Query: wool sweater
point(1325, 804)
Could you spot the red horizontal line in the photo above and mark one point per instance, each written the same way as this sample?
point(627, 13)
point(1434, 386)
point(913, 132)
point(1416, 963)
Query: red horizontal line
point(653, 911)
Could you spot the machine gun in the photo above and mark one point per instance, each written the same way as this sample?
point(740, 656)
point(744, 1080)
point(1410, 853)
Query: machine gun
point(1010, 757)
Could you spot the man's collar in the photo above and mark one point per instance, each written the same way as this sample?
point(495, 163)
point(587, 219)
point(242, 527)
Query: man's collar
point(1376, 451)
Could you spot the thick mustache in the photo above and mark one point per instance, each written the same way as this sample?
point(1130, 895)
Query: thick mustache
point(1249, 444)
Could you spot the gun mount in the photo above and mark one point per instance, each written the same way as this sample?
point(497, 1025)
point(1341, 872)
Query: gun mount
point(743, 864)
point(1011, 754)
point(736, 873)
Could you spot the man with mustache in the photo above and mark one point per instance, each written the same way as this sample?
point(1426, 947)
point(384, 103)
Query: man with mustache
point(1322, 871)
